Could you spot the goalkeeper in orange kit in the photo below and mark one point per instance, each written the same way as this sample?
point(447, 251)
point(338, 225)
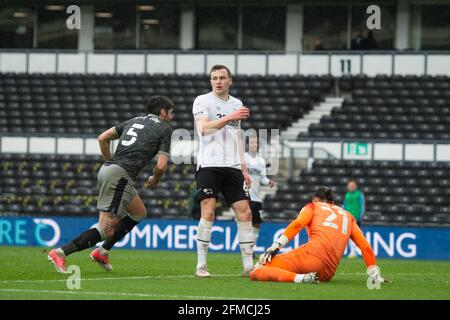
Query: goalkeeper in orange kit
point(329, 228)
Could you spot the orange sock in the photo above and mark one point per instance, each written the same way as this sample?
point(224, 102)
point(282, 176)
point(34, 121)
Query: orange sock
point(272, 274)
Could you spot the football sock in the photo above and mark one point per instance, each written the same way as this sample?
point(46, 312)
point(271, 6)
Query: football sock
point(125, 225)
point(203, 239)
point(85, 240)
point(255, 234)
point(103, 251)
point(246, 242)
point(101, 231)
point(273, 274)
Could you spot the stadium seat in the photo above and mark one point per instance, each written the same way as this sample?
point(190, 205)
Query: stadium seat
point(396, 107)
point(48, 184)
point(90, 103)
point(396, 192)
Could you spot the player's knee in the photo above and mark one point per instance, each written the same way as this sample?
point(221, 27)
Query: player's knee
point(143, 215)
point(248, 214)
point(138, 216)
point(108, 232)
point(245, 215)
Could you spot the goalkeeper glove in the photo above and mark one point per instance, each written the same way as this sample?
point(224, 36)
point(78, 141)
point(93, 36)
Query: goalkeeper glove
point(374, 274)
point(273, 249)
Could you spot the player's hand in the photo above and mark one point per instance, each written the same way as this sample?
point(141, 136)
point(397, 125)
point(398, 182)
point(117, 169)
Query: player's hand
point(271, 183)
point(248, 180)
point(152, 182)
point(270, 252)
point(374, 274)
point(239, 114)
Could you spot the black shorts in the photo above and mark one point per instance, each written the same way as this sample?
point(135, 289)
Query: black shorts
point(256, 208)
point(229, 181)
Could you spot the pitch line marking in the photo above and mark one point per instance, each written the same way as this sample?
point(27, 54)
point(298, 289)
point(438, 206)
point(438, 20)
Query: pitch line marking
point(120, 278)
point(187, 276)
point(126, 294)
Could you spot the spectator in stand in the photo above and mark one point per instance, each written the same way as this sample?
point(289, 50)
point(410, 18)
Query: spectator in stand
point(358, 42)
point(318, 45)
point(371, 43)
point(355, 204)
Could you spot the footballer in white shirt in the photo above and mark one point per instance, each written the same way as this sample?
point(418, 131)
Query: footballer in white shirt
point(256, 166)
point(221, 165)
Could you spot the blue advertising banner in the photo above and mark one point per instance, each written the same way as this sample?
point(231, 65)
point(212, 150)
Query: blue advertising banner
point(387, 242)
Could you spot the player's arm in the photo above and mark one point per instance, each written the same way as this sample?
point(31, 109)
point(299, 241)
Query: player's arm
point(248, 180)
point(162, 161)
point(104, 140)
point(368, 256)
point(304, 218)
point(264, 180)
point(158, 170)
point(206, 126)
point(362, 204)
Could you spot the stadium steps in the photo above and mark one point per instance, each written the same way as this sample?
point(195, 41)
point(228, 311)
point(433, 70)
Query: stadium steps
point(319, 110)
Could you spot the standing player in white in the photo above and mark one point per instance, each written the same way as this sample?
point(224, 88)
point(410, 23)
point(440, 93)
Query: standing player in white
point(257, 169)
point(221, 165)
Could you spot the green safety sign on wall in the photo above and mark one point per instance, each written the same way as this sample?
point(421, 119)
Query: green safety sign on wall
point(357, 149)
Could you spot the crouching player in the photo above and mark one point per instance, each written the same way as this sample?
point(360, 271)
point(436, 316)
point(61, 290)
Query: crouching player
point(329, 228)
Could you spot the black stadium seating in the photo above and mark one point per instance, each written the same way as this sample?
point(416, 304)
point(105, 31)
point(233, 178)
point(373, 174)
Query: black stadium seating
point(43, 184)
point(396, 192)
point(398, 107)
point(89, 103)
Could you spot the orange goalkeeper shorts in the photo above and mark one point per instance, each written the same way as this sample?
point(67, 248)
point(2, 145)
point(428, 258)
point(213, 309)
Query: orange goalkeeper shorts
point(300, 260)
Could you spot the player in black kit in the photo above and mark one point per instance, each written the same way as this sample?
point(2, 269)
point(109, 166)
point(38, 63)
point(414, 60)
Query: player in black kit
point(120, 207)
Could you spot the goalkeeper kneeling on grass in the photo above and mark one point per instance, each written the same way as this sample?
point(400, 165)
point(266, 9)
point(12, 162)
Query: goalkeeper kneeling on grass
point(329, 229)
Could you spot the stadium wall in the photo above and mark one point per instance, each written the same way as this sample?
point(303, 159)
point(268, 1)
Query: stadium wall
point(192, 62)
point(360, 150)
point(179, 235)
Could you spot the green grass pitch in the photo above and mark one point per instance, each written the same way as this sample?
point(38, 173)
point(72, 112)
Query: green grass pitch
point(25, 273)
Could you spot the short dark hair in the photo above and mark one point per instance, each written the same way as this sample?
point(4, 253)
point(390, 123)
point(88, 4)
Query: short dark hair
point(324, 194)
point(352, 180)
point(220, 67)
point(247, 140)
point(157, 103)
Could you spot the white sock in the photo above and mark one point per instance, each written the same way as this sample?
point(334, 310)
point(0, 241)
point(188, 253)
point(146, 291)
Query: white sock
point(299, 278)
point(255, 234)
point(203, 239)
point(246, 242)
point(60, 252)
point(103, 251)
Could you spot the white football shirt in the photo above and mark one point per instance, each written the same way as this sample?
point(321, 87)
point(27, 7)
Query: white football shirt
point(256, 167)
point(219, 148)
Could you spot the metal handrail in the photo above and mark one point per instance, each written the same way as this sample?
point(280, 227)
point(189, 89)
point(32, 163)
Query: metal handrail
point(373, 140)
point(372, 143)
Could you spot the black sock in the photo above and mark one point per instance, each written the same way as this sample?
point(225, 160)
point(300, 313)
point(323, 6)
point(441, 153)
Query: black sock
point(122, 228)
point(85, 240)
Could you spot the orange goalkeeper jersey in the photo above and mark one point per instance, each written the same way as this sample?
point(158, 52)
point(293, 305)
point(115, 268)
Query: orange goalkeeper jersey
point(329, 228)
